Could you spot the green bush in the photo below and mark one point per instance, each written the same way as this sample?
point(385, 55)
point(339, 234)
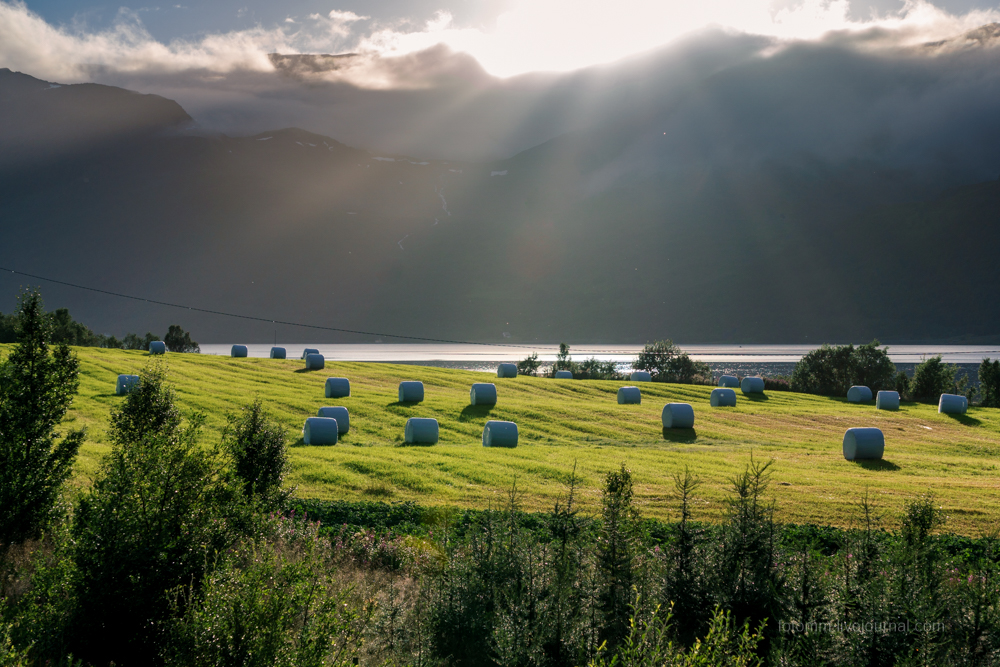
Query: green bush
point(931, 378)
point(831, 371)
point(666, 362)
point(989, 383)
point(37, 386)
point(529, 365)
point(257, 445)
point(178, 340)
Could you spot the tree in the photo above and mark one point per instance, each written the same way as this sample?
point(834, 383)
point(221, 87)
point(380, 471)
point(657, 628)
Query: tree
point(67, 330)
point(616, 554)
point(178, 340)
point(257, 446)
point(563, 361)
point(931, 378)
point(831, 371)
point(37, 387)
point(529, 365)
point(989, 383)
point(666, 362)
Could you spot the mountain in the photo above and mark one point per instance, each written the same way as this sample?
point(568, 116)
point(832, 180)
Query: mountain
point(611, 233)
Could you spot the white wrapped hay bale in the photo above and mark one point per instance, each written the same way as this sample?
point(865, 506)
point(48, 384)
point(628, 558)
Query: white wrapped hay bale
point(157, 347)
point(887, 400)
point(640, 376)
point(278, 353)
point(564, 375)
point(500, 434)
point(342, 416)
point(411, 391)
point(722, 397)
point(730, 381)
point(953, 404)
point(507, 371)
point(629, 396)
point(126, 383)
point(238, 351)
point(309, 350)
point(337, 388)
point(678, 415)
point(863, 444)
point(859, 394)
point(315, 362)
point(320, 431)
point(752, 385)
point(483, 393)
point(420, 431)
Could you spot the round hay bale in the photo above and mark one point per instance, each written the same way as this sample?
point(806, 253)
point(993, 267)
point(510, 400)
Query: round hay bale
point(507, 371)
point(309, 350)
point(126, 383)
point(629, 396)
point(859, 394)
point(752, 385)
point(952, 404)
point(678, 415)
point(640, 376)
point(483, 393)
point(500, 434)
point(342, 416)
point(278, 353)
point(722, 397)
point(564, 375)
point(420, 431)
point(730, 381)
point(411, 391)
point(337, 388)
point(157, 347)
point(320, 431)
point(863, 444)
point(238, 351)
point(315, 362)
point(887, 400)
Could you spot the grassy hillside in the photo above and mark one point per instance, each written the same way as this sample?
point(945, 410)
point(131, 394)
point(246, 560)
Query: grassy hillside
point(567, 423)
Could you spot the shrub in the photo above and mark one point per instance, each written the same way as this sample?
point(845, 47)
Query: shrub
point(777, 384)
point(256, 444)
point(931, 378)
point(831, 371)
point(616, 554)
point(178, 340)
point(666, 362)
point(901, 384)
point(36, 389)
point(529, 365)
point(989, 383)
point(594, 369)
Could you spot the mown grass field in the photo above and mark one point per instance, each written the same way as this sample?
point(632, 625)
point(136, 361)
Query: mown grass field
point(567, 423)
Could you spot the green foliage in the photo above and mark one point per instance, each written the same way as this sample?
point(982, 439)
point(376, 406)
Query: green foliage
point(529, 365)
point(617, 550)
point(931, 378)
point(668, 363)
point(563, 360)
point(989, 383)
point(593, 369)
point(37, 386)
point(256, 444)
point(154, 516)
point(831, 371)
point(901, 384)
point(8, 328)
point(67, 330)
point(178, 340)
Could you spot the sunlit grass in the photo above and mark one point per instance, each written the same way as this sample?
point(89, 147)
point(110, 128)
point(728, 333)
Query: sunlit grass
point(566, 423)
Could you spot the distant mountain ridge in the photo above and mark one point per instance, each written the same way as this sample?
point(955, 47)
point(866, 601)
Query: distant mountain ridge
point(599, 235)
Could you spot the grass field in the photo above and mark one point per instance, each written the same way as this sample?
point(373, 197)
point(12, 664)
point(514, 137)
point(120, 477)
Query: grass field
point(573, 422)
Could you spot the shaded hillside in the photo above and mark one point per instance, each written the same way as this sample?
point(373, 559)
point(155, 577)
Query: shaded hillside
point(556, 243)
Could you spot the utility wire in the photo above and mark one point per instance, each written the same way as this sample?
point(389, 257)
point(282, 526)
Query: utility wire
point(270, 321)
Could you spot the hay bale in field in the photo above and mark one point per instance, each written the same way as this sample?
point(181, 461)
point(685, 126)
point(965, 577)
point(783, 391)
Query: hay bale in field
point(564, 375)
point(278, 353)
point(483, 393)
point(863, 444)
point(507, 371)
point(752, 385)
point(500, 434)
point(320, 431)
point(315, 362)
point(678, 415)
point(420, 431)
point(730, 381)
point(629, 396)
point(411, 391)
point(953, 404)
point(887, 400)
point(722, 397)
point(859, 394)
point(157, 347)
point(309, 350)
point(342, 416)
point(126, 383)
point(640, 376)
point(238, 351)
point(337, 388)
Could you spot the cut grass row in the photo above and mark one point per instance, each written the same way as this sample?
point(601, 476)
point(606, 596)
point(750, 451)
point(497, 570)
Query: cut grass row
point(575, 423)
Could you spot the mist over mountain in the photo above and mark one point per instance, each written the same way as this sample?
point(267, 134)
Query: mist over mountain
point(713, 192)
